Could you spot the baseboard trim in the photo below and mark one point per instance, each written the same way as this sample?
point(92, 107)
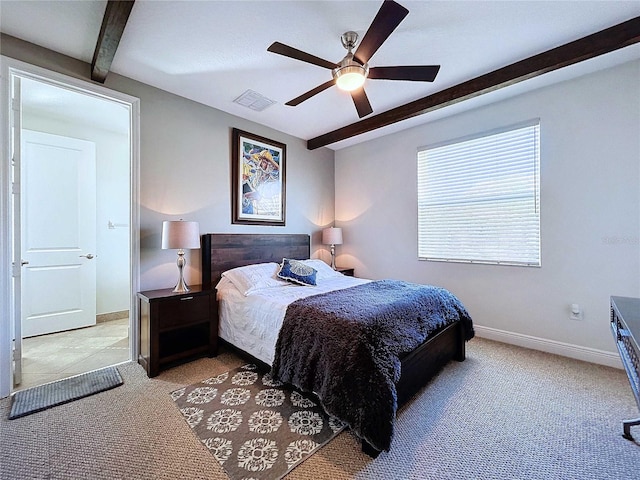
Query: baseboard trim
point(593, 355)
point(109, 317)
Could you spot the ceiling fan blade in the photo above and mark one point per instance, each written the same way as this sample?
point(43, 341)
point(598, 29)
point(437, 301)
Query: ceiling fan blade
point(287, 51)
point(362, 102)
point(415, 73)
point(387, 19)
point(310, 93)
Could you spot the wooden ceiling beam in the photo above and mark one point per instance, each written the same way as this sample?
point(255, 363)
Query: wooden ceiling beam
point(113, 23)
point(604, 41)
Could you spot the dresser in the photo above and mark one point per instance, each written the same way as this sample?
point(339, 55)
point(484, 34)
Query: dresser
point(625, 325)
point(176, 327)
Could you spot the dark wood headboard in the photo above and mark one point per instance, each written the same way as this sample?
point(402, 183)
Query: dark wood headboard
point(223, 251)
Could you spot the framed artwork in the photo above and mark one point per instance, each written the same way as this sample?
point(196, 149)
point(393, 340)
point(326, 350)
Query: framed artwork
point(258, 179)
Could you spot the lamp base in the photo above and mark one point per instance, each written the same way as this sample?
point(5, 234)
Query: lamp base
point(333, 257)
point(181, 286)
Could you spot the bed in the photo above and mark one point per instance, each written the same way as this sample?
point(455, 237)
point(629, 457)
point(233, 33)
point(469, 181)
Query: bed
point(247, 324)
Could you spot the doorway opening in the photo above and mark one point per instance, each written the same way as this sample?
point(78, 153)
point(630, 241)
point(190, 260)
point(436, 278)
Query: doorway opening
point(74, 223)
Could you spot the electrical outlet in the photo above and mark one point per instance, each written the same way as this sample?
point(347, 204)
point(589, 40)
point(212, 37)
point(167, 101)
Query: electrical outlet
point(576, 313)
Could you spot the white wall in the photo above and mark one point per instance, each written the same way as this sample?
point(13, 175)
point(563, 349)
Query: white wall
point(112, 203)
point(590, 213)
point(186, 173)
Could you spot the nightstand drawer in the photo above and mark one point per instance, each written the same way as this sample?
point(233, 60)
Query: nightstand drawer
point(349, 272)
point(176, 312)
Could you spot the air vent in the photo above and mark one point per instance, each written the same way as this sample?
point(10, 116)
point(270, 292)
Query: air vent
point(254, 101)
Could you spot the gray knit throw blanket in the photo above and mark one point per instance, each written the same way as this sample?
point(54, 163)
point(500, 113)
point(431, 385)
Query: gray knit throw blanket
point(345, 347)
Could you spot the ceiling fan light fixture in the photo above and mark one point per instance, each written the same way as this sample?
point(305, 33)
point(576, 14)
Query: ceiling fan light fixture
point(350, 77)
point(352, 71)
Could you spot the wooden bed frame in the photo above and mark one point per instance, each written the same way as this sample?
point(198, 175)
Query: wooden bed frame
point(221, 252)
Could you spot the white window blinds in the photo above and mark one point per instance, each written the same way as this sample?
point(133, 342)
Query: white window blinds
point(479, 199)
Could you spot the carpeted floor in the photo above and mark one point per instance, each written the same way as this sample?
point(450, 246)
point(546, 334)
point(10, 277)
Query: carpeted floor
point(504, 413)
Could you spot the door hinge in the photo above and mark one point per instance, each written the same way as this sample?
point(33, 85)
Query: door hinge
point(15, 188)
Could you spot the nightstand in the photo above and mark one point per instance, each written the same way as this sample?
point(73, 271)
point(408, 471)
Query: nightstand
point(176, 327)
point(345, 271)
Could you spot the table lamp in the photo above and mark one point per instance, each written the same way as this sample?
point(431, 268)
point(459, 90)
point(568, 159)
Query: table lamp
point(332, 236)
point(180, 235)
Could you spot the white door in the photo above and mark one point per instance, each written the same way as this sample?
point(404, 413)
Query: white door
point(58, 225)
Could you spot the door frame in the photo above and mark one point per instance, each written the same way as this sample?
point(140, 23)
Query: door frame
point(8, 69)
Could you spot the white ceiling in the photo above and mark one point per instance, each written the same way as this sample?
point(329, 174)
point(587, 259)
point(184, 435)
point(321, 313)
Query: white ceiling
point(212, 51)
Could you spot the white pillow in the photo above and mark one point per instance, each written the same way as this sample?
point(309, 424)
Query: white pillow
point(224, 284)
point(252, 278)
point(323, 270)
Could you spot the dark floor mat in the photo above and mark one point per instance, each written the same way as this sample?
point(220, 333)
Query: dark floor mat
point(67, 390)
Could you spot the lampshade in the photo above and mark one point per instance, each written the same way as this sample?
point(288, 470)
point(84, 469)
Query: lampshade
point(179, 234)
point(332, 236)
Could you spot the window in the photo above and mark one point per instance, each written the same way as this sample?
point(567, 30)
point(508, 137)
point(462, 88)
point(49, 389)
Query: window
point(479, 198)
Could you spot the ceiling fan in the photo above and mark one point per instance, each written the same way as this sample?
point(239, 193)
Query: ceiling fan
point(351, 72)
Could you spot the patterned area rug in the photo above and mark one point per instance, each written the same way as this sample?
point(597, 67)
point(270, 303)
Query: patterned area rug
point(254, 426)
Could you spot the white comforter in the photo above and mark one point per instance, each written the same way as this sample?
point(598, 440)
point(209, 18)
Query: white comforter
point(252, 323)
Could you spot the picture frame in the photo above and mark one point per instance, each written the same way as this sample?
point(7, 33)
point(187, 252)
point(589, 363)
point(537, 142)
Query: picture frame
point(258, 190)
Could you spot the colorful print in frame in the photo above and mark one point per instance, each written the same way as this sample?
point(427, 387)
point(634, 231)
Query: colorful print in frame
point(258, 183)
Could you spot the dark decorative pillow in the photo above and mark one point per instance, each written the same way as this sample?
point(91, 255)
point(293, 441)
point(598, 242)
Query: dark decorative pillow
point(297, 272)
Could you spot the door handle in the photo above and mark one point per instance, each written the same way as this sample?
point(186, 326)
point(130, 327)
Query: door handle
point(24, 262)
point(88, 256)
